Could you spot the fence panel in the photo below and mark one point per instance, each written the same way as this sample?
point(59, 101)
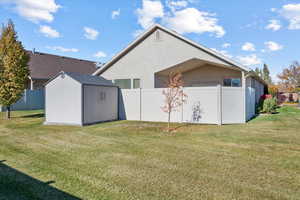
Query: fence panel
point(31, 100)
point(232, 105)
point(129, 104)
point(202, 105)
point(250, 103)
point(151, 103)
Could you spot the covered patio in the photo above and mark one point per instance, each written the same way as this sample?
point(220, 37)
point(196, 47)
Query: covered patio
point(201, 73)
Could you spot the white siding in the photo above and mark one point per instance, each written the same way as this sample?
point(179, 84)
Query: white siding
point(100, 104)
point(63, 101)
point(151, 56)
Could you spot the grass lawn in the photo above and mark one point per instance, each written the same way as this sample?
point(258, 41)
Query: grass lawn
point(136, 160)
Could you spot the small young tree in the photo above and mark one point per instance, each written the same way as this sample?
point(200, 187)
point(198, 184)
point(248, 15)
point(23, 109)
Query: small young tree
point(13, 67)
point(174, 95)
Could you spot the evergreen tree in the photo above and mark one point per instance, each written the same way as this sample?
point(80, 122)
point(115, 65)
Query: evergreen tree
point(14, 71)
point(258, 71)
point(266, 74)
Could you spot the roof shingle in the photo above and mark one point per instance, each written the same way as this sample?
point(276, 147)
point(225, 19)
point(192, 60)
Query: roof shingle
point(45, 66)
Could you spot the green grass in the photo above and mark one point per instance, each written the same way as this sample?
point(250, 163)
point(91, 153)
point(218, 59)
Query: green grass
point(137, 160)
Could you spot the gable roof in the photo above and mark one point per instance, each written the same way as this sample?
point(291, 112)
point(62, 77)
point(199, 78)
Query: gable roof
point(147, 33)
point(85, 79)
point(45, 66)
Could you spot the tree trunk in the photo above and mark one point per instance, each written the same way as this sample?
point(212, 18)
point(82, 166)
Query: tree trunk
point(8, 112)
point(169, 118)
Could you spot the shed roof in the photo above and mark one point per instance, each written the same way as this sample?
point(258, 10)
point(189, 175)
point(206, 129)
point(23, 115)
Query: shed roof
point(85, 79)
point(89, 79)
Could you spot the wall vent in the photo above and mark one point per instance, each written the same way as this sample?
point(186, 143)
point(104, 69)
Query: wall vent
point(157, 36)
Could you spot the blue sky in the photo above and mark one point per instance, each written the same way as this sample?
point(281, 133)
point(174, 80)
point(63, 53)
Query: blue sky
point(252, 32)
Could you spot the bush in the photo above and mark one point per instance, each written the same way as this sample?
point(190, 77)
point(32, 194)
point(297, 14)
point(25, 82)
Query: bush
point(269, 105)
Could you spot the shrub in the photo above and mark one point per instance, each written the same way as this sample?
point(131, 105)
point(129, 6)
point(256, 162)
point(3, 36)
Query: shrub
point(269, 105)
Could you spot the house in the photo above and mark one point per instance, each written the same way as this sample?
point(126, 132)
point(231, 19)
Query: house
point(77, 99)
point(147, 62)
point(43, 66)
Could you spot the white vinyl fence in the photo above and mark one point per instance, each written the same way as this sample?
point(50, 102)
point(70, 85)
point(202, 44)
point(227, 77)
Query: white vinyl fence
point(207, 105)
point(250, 102)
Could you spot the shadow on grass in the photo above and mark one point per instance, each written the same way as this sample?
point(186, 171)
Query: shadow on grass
point(17, 185)
point(39, 115)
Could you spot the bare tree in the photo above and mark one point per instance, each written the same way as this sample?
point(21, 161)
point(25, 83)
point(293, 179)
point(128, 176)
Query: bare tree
point(174, 95)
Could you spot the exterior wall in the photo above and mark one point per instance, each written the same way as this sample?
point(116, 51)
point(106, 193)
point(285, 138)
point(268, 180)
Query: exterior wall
point(207, 105)
point(99, 104)
point(204, 76)
point(63, 101)
point(31, 100)
point(153, 55)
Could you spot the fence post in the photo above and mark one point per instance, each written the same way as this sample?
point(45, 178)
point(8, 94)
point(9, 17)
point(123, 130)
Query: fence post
point(219, 96)
point(140, 104)
point(182, 106)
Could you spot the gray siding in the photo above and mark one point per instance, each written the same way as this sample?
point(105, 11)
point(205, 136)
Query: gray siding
point(152, 55)
point(63, 101)
point(100, 104)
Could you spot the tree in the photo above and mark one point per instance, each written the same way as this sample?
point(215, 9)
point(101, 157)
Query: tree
point(266, 74)
point(14, 71)
point(174, 95)
point(290, 77)
point(258, 72)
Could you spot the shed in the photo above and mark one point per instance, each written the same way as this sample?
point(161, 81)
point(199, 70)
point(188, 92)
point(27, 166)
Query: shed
point(76, 99)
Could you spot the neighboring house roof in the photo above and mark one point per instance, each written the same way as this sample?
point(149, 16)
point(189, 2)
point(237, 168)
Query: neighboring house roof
point(173, 33)
point(85, 79)
point(45, 66)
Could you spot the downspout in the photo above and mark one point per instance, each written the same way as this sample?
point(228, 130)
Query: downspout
point(31, 83)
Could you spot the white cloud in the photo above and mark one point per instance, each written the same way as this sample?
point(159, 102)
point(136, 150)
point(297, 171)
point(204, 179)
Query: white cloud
point(150, 11)
point(62, 49)
point(90, 33)
point(273, 9)
point(49, 32)
point(226, 45)
point(273, 46)
point(249, 60)
point(115, 13)
point(174, 5)
point(35, 10)
point(100, 54)
point(223, 52)
point(192, 20)
point(291, 12)
point(273, 25)
point(248, 47)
